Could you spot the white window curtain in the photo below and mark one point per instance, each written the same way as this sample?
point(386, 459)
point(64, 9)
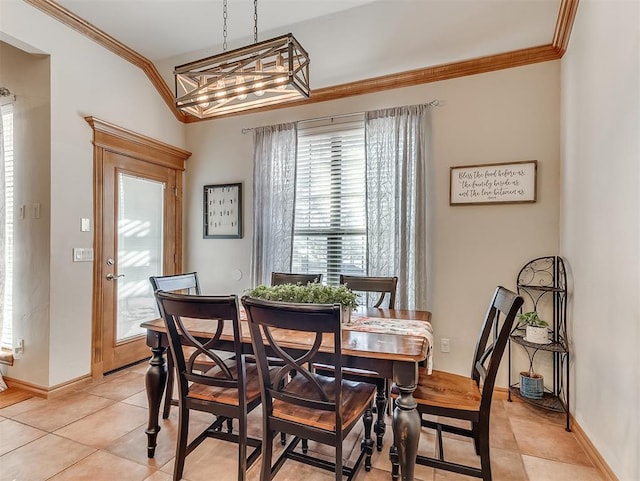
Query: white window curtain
point(396, 150)
point(274, 174)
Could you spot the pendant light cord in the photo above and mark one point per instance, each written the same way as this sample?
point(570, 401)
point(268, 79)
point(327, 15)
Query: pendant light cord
point(224, 25)
point(255, 21)
point(225, 14)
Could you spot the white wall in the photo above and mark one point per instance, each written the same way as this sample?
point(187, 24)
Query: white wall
point(27, 76)
point(85, 80)
point(502, 116)
point(600, 225)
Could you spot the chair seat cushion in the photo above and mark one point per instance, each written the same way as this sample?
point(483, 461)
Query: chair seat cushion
point(356, 397)
point(227, 395)
point(445, 390)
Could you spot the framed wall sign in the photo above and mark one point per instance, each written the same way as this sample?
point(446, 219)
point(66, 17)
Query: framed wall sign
point(507, 183)
point(223, 211)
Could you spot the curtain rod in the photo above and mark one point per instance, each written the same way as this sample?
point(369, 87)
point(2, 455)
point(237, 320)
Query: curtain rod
point(246, 130)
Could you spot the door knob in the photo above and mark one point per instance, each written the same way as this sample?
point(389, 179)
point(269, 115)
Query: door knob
point(111, 277)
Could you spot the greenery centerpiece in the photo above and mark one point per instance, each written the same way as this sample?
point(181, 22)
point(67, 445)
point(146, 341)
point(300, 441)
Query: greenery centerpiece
point(311, 293)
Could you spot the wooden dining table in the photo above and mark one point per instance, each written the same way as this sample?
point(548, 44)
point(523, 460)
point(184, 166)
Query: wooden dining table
point(391, 342)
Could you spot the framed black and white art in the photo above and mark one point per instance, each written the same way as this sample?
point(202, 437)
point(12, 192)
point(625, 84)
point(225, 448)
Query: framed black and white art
point(223, 211)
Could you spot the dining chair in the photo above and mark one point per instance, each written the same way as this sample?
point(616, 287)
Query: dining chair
point(229, 390)
point(381, 285)
point(186, 283)
point(457, 397)
point(308, 406)
point(278, 278)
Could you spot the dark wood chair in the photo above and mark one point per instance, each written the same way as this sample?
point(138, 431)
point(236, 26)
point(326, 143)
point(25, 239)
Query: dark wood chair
point(382, 285)
point(278, 278)
point(308, 406)
point(229, 390)
point(186, 283)
point(465, 398)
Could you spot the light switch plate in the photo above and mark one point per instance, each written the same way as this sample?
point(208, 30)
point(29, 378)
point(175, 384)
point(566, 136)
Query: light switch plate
point(82, 254)
point(85, 225)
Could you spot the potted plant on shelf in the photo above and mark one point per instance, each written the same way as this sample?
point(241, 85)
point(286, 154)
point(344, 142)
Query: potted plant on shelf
point(536, 329)
point(531, 384)
point(313, 293)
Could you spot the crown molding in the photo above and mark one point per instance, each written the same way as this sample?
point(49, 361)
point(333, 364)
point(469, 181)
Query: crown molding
point(564, 24)
point(489, 63)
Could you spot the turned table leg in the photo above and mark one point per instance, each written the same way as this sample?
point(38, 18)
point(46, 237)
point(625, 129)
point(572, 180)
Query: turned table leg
point(155, 381)
point(406, 421)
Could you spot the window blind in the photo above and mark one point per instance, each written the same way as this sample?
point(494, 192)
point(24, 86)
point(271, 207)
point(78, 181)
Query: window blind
point(330, 213)
point(6, 341)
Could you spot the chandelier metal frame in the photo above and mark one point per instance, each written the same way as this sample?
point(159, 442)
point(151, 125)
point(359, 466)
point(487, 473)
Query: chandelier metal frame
point(266, 73)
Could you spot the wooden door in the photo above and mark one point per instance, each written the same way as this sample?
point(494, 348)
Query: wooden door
point(138, 233)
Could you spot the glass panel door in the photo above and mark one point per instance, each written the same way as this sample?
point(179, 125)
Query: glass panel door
point(140, 251)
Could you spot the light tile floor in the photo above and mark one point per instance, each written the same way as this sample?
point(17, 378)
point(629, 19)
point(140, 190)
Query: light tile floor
point(97, 434)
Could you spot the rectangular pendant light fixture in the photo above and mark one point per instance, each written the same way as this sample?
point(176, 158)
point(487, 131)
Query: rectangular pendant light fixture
point(265, 73)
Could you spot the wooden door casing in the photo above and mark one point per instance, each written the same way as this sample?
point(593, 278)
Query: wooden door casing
point(159, 158)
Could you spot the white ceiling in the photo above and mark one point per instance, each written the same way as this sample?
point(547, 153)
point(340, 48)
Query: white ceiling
point(347, 40)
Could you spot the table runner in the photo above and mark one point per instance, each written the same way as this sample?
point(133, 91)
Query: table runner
point(403, 327)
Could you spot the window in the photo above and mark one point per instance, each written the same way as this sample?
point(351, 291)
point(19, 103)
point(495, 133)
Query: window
point(7, 273)
point(330, 235)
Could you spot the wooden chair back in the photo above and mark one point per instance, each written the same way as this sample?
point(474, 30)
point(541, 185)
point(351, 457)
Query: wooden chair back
point(383, 285)
point(321, 321)
point(278, 278)
point(186, 283)
point(175, 308)
point(492, 341)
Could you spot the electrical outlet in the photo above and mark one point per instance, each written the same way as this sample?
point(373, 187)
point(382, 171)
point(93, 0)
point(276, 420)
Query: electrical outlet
point(444, 344)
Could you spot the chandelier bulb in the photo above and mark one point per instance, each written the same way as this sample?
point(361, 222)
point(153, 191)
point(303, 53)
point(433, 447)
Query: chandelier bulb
point(220, 94)
point(203, 101)
point(258, 79)
point(281, 80)
point(241, 90)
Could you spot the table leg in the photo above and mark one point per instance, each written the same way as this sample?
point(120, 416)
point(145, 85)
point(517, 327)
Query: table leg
point(406, 421)
point(381, 408)
point(155, 381)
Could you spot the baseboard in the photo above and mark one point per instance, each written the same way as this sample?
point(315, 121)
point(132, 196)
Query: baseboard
point(500, 393)
point(53, 391)
point(592, 452)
